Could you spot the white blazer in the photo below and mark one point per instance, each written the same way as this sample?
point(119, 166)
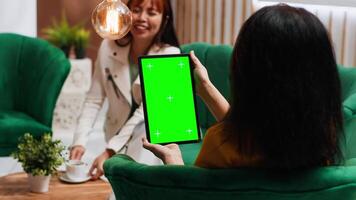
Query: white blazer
point(112, 62)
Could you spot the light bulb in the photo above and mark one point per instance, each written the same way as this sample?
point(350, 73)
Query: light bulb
point(112, 19)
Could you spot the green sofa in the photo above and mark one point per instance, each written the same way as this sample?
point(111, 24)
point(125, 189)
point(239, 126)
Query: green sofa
point(131, 180)
point(32, 73)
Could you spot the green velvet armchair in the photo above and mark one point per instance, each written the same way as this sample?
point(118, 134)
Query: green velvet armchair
point(131, 180)
point(32, 73)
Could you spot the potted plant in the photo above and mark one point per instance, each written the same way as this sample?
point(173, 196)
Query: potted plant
point(71, 39)
point(60, 34)
point(39, 159)
point(81, 41)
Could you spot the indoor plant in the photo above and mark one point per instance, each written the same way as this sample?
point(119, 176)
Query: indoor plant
point(67, 37)
point(81, 41)
point(39, 159)
point(60, 34)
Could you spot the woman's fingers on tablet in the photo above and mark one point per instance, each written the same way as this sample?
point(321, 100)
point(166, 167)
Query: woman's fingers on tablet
point(154, 148)
point(200, 75)
point(159, 149)
point(198, 67)
point(195, 59)
point(146, 144)
point(169, 154)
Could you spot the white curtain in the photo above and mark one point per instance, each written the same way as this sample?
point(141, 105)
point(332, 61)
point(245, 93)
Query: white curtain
point(219, 21)
point(18, 16)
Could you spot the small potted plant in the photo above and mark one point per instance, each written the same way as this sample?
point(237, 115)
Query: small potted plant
point(81, 41)
point(71, 39)
point(60, 34)
point(39, 159)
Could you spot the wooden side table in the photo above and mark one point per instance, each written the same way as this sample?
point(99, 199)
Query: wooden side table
point(15, 187)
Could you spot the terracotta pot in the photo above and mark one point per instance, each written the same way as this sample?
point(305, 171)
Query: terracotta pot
point(38, 184)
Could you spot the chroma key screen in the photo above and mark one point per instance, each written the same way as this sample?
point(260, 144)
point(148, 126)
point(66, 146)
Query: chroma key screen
point(169, 99)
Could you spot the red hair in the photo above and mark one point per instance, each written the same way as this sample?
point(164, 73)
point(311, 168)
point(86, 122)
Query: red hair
point(162, 5)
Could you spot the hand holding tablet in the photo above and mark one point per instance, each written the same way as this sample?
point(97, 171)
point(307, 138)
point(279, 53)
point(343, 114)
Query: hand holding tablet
point(169, 99)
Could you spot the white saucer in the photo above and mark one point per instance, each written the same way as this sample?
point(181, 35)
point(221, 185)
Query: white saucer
point(65, 178)
point(103, 178)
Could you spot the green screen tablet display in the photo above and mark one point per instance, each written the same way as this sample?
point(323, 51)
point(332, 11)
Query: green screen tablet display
point(168, 98)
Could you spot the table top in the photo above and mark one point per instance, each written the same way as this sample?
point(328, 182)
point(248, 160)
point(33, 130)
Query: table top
point(15, 187)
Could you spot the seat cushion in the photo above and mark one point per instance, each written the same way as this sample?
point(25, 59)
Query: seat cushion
point(13, 125)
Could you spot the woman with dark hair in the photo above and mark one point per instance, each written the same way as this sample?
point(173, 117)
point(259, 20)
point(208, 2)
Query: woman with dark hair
point(286, 102)
point(116, 77)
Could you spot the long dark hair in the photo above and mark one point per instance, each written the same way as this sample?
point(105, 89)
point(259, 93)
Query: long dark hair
point(286, 90)
point(166, 34)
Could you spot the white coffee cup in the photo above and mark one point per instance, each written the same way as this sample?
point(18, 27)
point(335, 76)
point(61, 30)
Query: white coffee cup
point(76, 169)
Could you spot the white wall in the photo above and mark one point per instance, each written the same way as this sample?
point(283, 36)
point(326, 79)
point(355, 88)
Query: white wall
point(18, 16)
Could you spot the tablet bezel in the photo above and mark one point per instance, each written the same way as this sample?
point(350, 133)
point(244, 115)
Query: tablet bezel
point(144, 96)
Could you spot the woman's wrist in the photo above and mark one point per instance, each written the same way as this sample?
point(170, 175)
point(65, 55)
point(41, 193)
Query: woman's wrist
point(109, 152)
point(173, 160)
point(214, 100)
point(205, 89)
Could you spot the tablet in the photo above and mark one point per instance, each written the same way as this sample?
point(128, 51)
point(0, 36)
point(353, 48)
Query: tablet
point(168, 97)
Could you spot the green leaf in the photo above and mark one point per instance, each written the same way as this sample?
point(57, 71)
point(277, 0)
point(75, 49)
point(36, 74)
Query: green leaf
point(39, 157)
point(62, 35)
